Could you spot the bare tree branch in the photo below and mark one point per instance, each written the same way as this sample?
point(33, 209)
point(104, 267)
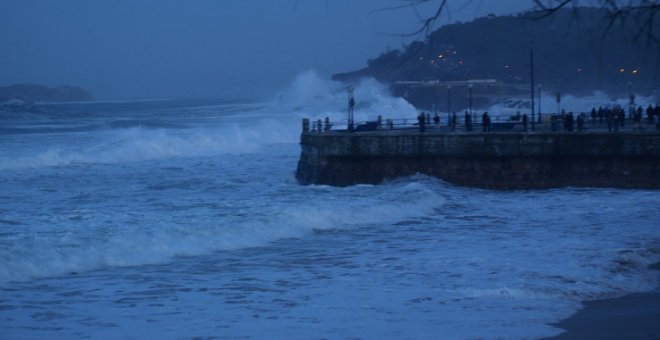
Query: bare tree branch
point(639, 16)
point(636, 15)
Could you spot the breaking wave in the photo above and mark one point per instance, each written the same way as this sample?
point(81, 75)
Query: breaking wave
point(159, 240)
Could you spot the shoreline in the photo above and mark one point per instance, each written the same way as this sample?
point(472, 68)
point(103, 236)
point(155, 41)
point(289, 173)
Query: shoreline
point(633, 316)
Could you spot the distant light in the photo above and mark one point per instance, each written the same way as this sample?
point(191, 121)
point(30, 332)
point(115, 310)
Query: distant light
point(441, 56)
point(506, 66)
point(634, 72)
point(460, 62)
point(579, 69)
point(454, 52)
point(622, 70)
point(421, 58)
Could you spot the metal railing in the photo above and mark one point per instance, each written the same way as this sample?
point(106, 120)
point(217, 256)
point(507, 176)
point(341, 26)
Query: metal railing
point(551, 123)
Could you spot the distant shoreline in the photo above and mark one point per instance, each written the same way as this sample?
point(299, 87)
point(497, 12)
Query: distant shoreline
point(31, 93)
point(634, 316)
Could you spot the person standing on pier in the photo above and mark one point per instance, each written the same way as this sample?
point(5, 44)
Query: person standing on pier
point(580, 122)
point(594, 114)
point(637, 118)
point(436, 120)
point(485, 119)
point(649, 114)
point(421, 119)
point(524, 121)
point(570, 119)
point(615, 119)
point(454, 121)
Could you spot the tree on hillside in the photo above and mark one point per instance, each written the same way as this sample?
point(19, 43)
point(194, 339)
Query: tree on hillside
point(641, 17)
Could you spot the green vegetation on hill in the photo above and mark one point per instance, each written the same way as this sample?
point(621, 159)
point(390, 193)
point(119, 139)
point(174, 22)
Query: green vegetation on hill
point(574, 51)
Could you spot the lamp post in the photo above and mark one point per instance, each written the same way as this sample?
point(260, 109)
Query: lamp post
point(539, 91)
point(630, 100)
point(470, 98)
point(558, 103)
point(351, 108)
point(531, 72)
point(449, 99)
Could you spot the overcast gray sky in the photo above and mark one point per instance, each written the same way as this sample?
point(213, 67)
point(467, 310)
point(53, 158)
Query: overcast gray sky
point(202, 48)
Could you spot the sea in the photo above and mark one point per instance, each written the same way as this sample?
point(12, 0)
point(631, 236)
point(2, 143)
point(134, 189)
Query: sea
point(181, 219)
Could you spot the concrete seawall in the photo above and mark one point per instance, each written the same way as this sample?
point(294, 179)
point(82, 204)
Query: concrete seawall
point(489, 160)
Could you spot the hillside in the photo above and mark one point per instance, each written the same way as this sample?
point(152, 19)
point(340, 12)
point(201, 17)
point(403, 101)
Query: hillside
point(573, 52)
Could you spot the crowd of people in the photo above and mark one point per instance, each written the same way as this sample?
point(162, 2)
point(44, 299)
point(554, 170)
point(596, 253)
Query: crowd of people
point(424, 120)
point(611, 117)
point(614, 117)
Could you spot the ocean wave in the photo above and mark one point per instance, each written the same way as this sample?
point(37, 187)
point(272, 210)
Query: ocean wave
point(156, 240)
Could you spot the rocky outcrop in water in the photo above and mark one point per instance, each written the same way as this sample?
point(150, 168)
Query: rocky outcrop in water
point(29, 93)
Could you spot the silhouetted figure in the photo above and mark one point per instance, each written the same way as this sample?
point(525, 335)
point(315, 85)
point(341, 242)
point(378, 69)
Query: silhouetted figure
point(436, 120)
point(616, 118)
point(485, 118)
point(570, 119)
point(649, 114)
point(524, 121)
point(580, 122)
point(454, 121)
point(637, 118)
point(468, 122)
point(421, 119)
point(328, 125)
point(594, 114)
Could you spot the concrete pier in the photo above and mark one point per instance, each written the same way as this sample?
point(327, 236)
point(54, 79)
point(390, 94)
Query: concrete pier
point(498, 160)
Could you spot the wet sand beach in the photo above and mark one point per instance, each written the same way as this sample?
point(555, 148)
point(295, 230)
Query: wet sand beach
point(634, 316)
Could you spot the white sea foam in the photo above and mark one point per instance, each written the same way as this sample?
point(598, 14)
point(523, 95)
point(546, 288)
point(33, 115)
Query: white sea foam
point(568, 103)
point(240, 129)
point(510, 262)
point(158, 241)
point(315, 98)
point(135, 144)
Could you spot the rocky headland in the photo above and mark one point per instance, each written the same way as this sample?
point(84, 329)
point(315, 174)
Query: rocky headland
point(575, 51)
